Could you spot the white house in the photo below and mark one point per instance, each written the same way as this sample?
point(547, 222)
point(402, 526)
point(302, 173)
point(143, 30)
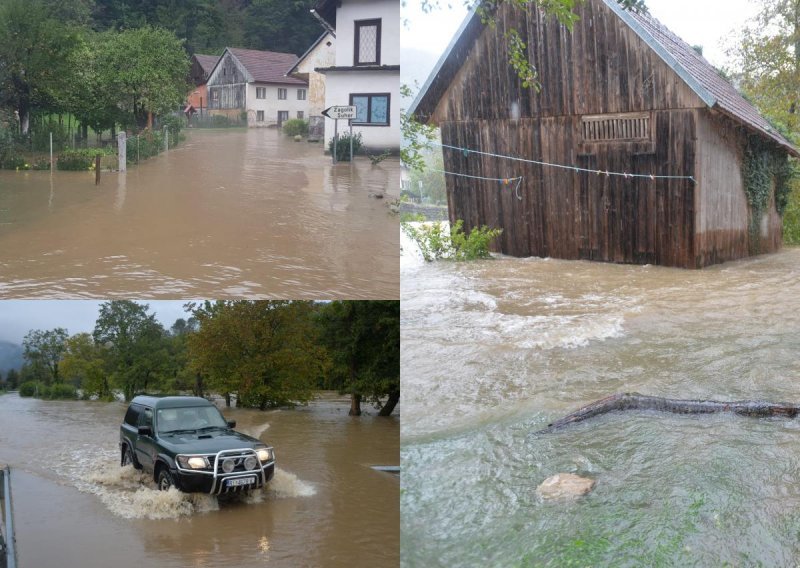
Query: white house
point(321, 54)
point(366, 73)
point(255, 82)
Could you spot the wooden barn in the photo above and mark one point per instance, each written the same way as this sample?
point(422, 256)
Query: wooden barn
point(661, 151)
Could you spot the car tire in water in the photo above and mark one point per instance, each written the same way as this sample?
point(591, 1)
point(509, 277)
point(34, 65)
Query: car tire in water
point(165, 481)
point(127, 458)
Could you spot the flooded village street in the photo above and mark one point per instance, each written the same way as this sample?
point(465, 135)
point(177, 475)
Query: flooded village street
point(75, 506)
point(492, 351)
point(228, 214)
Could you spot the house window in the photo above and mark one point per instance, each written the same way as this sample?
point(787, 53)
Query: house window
point(300, 114)
point(261, 92)
point(282, 94)
point(616, 127)
point(371, 109)
point(301, 94)
point(259, 116)
point(368, 42)
point(283, 116)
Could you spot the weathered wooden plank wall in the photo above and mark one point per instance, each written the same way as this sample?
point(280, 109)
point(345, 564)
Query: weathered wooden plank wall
point(600, 68)
point(572, 215)
point(227, 85)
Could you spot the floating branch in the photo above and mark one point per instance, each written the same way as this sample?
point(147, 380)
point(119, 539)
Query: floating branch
point(636, 401)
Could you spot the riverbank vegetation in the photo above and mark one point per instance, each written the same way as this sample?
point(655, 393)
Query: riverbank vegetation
point(437, 241)
point(256, 354)
point(68, 68)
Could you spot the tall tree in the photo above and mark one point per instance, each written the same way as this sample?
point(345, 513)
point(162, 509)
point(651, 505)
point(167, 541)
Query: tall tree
point(281, 25)
point(44, 349)
point(35, 56)
point(12, 379)
point(84, 364)
point(135, 341)
point(262, 351)
point(768, 56)
point(363, 339)
point(146, 68)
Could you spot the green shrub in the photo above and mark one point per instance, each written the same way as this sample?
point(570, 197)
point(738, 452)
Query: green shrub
point(343, 146)
point(435, 242)
point(145, 145)
point(407, 217)
point(243, 116)
point(79, 159)
point(174, 124)
point(62, 391)
point(41, 163)
point(40, 137)
point(14, 162)
point(30, 388)
point(296, 126)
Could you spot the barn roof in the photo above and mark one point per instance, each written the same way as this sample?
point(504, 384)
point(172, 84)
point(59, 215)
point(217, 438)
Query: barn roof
point(267, 66)
point(682, 58)
point(207, 62)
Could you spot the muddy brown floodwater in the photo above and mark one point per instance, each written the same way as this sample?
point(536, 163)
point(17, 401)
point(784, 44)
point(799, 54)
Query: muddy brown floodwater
point(229, 213)
point(75, 507)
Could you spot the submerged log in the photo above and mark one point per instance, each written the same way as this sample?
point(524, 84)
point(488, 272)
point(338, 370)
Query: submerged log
point(636, 401)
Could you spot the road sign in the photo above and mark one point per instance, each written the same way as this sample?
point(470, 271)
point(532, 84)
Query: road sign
point(340, 112)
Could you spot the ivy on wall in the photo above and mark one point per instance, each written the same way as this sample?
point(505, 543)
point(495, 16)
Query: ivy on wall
point(765, 168)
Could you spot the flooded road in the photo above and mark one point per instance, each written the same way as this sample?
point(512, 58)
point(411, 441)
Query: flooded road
point(230, 213)
point(74, 505)
point(492, 351)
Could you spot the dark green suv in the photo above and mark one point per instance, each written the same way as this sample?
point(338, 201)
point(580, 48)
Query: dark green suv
point(186, 443)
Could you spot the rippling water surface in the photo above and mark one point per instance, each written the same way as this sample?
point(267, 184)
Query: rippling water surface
point(492, 351)
point(228, 214)
point(75, 506)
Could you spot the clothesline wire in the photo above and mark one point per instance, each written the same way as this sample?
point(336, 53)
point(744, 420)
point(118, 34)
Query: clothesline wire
point(505, 181)
point(468, 151)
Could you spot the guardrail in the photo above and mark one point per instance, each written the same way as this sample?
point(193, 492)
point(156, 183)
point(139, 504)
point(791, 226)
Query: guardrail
point(8, 555)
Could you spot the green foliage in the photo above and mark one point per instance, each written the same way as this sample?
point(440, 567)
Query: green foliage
point(436, 242)
point(44, 349)
point(295, 126)
point(412, 218)
point(174, 124)
point(61, 392)
point(262, 351)
point(147, 144)
point(375, 160)
point(343, 146)
point(363, 339)
point(146, 68)
point(791, 217)
point(137, 355)
point(40, 136)
point(30, 388)
point(79, 159)
point(14, 162)
point(763, 169)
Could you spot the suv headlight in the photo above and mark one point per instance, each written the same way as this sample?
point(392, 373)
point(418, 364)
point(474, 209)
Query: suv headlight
point(265, 454)
point(194, 462)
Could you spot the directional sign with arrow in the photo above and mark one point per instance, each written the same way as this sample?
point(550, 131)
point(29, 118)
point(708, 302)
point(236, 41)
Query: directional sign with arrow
point(340, 112)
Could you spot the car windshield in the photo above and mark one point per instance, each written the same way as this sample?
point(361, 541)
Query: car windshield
point(188, 418)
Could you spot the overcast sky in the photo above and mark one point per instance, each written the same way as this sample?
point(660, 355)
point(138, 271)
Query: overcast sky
point(17, 317)
point(698, 22)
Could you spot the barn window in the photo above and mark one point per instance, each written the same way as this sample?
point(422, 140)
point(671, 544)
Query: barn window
point(615, 127)
point(261, 92)
point(368, 42)
point(281, 94)
point(301, 94)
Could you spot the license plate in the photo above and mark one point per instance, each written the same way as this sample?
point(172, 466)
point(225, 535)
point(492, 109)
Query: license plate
point(240, 481)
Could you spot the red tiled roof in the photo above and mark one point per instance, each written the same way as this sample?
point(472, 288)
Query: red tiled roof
point(267, 66)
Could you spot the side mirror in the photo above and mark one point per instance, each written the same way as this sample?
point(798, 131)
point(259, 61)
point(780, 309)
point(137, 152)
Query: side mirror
point(145, 431)
point(231, 423)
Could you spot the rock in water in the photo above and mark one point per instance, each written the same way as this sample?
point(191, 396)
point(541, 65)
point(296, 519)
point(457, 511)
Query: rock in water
point(565, 485)
point(298, 138)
